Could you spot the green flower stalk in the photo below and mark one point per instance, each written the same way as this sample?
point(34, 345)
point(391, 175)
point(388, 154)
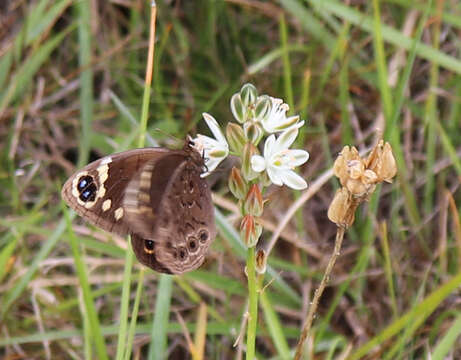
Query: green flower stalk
point(260, 119)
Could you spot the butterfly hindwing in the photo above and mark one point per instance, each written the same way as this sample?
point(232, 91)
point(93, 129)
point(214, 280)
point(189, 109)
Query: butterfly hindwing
point(184, 227)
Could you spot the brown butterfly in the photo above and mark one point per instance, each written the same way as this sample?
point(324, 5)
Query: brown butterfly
point(157, 196)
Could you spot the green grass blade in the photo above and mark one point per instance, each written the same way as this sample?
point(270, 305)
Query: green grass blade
point(389, 34)
point(41, 19)
point(447, 342)
point(274, 326)
point(134, 314)
point(344, 100)
point(388, 267)
point(89, 308)
point(12, 295)
point(286, 63)
point(124, 303)
point(25, 73)
point(158, 340)
point(6, 252)
point(449, 148)
point(86, 79)
point(416, 315)
point(264, 61)
point(380, 59)
point(6, 61)
point(213, 328)
point(430, 120)
point(309, 22)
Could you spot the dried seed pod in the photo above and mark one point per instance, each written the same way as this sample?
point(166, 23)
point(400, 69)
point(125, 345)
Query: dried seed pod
point(340, 211)
point(359, 178)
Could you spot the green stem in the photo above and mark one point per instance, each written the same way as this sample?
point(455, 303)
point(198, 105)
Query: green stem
point(86, 79)
point(253, 304)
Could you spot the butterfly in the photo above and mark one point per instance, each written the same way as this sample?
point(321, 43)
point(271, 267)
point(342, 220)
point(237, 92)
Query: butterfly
point(157, 196)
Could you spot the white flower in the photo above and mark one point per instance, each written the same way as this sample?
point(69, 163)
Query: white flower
point(277, 119)
point(215, 150)
point(279, 161)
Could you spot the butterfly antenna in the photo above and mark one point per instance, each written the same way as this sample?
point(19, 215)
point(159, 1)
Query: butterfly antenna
point(206, 168)
point(167, 135)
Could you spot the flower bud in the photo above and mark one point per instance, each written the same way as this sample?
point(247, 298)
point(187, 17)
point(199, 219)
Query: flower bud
point(248, 94)
point(238, 109)
point(254, 201)
point(253, 132)
point(261, 261)
point(248, 151)
point(250, 230)
point(263, 107)
point(237, 185)
point(235, 137)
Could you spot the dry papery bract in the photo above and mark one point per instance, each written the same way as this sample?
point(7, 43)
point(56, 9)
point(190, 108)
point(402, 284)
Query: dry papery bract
point(358, 178)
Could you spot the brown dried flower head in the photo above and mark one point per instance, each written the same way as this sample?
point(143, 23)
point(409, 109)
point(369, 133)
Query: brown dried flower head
point(342, 208)
point(358, 178)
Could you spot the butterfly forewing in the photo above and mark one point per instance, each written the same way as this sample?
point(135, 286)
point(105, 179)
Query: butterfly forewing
point(145, 191)
point(96, 192)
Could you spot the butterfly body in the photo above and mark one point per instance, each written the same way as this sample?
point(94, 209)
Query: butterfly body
point(157, 196)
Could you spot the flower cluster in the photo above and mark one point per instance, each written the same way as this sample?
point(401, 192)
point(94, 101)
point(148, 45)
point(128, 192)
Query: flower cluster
point(358, 178)
point(258, 117)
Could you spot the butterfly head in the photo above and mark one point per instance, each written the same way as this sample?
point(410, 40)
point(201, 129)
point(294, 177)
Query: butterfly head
point(197, 154)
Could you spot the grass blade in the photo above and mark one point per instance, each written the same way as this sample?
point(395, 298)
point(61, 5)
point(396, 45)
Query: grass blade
point(124, 303)
point(134, 314)
point(416, 316)
point(158, 340)
point(380, 59)
point(12, 295)
point(274, 326)
point(86, 79)
point(446, 344)
point(389, 34)
point(88, 303)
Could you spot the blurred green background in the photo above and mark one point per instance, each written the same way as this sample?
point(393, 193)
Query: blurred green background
point(71, 85)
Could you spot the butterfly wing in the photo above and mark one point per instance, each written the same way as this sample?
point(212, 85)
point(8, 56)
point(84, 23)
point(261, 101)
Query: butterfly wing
point(96, 192)
point(184, 227)
point(144, 193)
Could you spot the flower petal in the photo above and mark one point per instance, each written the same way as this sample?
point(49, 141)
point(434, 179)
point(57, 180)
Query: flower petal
point(269, 146)
point(287, 138)
point(274, 176)
point(205, 144)
point(211, 164)
point(298, 157)
point(286, 123)
point(293, 180)
point(214, 127)
point(258, 163)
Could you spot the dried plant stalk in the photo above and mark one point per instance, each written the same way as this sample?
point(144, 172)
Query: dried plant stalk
point(358, 178)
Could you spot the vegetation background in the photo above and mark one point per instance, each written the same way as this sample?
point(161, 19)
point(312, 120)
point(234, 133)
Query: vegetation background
point(71, 85)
